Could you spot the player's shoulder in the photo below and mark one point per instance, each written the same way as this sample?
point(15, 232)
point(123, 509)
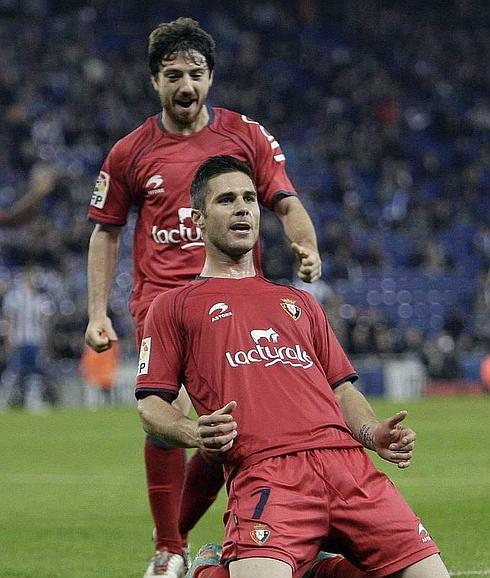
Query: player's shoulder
point(279, 286)
point(232, 120)
point(134, 140)
point(177, 294)
point(307, 297)
point(290, 292)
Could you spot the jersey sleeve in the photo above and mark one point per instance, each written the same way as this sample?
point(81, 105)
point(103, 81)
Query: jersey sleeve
point(111, 199)
point(330, 353)
point(269, 165)
point(161, 359)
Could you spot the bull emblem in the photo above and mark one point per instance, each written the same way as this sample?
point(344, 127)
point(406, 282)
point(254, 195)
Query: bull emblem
point(267, 334)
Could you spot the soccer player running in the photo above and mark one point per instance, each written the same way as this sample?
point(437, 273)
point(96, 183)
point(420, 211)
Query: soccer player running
point(152, 169)
point(275, 395)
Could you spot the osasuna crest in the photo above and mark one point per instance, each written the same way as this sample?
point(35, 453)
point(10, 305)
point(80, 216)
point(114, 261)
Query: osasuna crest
point(260, 533)
point(290, 307)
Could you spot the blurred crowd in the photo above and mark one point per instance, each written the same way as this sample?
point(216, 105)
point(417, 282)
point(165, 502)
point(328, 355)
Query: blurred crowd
point(382, 108)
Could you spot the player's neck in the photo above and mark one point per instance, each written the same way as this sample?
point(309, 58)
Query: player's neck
point(197, 125)
point(229, 267)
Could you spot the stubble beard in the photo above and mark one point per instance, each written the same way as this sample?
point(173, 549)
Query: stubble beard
point(181, 120)
point(236, 250)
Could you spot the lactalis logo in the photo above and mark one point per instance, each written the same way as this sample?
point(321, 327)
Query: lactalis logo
point(269, 354)
point(154, 185)
point(187, 234)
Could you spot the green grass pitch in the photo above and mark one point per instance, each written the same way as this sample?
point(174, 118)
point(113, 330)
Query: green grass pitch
point(73, 499)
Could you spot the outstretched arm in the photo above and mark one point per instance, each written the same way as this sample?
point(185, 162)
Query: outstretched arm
point(102, 260)
point(387, 438)
point(301, 233)
point(213, 433)
point(42, 182)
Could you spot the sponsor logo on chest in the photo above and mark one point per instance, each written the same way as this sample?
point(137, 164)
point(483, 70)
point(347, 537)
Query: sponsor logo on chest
point(269, 351)
point(154, 185)
point(219, 311)
point(186, 234)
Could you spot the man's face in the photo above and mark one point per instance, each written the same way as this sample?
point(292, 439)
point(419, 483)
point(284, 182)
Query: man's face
point(232, 217)
point(183, 84)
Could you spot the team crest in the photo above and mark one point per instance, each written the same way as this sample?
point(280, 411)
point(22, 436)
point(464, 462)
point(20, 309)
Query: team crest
point(260, 533)
point(290, 307)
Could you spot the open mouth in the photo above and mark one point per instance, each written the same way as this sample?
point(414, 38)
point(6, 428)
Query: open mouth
point(185, 103)
point(240, 227)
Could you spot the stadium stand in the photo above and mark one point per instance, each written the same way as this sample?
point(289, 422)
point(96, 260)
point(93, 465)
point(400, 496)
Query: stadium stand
point(382, 109)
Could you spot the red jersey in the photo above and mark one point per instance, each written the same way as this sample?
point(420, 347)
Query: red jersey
point(276, 356)
point(153, 169)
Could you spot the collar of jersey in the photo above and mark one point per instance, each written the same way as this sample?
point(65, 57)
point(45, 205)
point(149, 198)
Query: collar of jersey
point(162, 128)
point(202, 278)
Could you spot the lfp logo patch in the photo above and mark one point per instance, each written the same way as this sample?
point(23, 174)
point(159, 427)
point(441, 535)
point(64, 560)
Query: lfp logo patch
point(100, 192)
point(260, 533)
point(144, 360)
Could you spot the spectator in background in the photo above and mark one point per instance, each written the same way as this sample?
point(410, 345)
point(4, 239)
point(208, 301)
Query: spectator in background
point(455, 323)
point(42, 182)
point(440, 357)
point(99, 373)
point(485, 373)
point(27, 312)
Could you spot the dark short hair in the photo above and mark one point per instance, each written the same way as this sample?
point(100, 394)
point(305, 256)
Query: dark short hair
point(213, 167)
point(181, 35)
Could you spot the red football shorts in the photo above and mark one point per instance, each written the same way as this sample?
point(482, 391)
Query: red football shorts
point(139, 313)
point(289, 507)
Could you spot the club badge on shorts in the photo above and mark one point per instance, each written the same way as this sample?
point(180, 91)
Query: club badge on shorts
point(260, 533)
